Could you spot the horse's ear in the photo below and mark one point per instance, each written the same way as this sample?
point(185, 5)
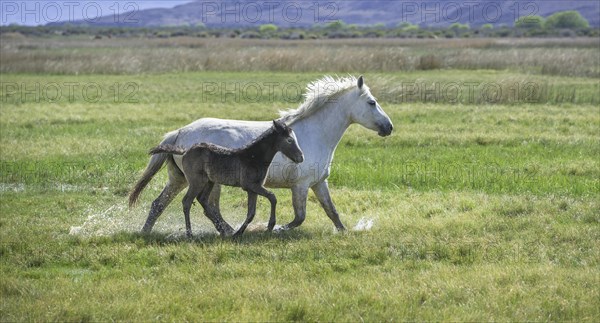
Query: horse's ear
point(360, 82)
point(279, 126)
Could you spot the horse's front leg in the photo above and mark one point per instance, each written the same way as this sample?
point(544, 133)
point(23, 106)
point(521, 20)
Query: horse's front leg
point(272, 199)
point(299, 195)
point(321, 190)
point(272, 217)
point(251, 212)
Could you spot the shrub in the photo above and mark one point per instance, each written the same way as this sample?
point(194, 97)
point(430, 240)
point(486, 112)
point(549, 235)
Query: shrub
point(336, 25)
point(567, 20)
point(267, 28)
point(459, 27)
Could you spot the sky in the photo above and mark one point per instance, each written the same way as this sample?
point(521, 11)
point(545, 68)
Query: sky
point(41, 12)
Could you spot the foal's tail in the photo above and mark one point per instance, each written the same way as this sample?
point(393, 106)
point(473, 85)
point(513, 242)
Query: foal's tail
point(167, 149)
point(155, 164)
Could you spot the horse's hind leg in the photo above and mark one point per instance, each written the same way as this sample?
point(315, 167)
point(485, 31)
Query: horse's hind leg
point(193, 191)
point(211, 212)
point(203, 196)
point(250, 216)
point(175, 185)
point(215, 216)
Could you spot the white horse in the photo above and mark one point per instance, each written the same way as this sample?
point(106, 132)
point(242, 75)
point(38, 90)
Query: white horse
point(330, 107)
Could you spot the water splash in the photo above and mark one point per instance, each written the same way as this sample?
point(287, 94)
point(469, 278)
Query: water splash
point(112, 219)
point(364, 224)
point(116, 218)
point(102, 222)
point(260, 227)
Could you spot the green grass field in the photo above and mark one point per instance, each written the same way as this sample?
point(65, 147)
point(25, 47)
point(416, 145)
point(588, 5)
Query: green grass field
point(479, 210)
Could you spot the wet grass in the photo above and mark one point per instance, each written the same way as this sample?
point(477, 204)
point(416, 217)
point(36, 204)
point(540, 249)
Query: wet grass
point(481, 211)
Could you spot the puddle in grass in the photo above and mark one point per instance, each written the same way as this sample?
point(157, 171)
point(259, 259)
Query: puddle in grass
point(59, 187)
point(12, 187)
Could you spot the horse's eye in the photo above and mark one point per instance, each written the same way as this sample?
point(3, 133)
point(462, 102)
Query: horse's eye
point(290, 140)
point(371, 102)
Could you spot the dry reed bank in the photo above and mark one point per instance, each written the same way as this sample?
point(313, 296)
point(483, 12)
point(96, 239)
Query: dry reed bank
point(75, 55)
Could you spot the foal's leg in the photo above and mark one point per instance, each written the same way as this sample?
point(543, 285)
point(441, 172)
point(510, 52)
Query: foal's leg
point(215, 216)
point(251, 212)
point(195, 188)
point(203, 196)
point(269, 195)
point(210, 211)
point(220, 224)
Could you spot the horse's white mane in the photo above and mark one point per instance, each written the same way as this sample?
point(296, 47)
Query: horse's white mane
point(318, 93)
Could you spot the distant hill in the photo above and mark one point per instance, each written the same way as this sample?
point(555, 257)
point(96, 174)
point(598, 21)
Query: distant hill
point(233, 13)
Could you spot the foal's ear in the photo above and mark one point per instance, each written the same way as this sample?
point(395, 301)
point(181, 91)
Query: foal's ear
point(360, 82)
point(279, 126)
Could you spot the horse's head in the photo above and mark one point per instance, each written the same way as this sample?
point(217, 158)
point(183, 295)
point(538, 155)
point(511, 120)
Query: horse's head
point(287, 143)
point(367, 112)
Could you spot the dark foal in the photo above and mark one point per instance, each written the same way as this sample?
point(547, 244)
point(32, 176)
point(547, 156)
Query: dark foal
point(206, 164)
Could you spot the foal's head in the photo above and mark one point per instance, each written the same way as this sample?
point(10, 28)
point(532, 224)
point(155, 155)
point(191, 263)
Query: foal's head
point(286, 142)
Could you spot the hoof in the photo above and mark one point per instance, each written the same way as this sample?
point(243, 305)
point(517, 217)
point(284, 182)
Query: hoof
point(238, 234)
point(224, 230)
point(226, 233)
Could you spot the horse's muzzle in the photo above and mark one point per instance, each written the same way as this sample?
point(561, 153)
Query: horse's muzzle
point(299, 159)
point(385, 130)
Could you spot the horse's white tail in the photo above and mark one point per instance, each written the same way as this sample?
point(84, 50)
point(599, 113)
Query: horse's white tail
point(154, 165)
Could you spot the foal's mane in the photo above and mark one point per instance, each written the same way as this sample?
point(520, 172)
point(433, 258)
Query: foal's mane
point(318, 94)
point(229, 151)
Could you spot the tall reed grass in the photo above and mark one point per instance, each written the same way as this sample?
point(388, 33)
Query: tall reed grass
point(568, 57)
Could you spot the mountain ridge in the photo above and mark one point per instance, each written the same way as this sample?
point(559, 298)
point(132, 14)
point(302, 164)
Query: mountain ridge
point(248, 13)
